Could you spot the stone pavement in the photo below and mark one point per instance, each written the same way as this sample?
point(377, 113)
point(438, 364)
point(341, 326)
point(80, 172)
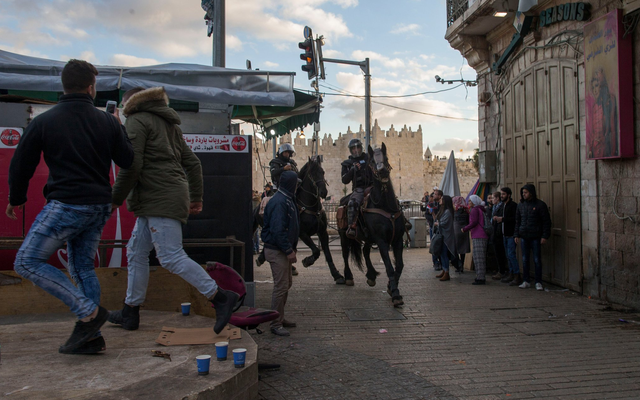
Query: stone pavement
point(456, 341)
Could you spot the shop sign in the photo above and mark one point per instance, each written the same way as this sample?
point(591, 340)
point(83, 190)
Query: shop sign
point(217, 143)
point(564, 12)
point(10, 137)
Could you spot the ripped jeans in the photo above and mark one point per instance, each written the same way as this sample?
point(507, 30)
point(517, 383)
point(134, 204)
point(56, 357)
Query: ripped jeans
point(165, 235)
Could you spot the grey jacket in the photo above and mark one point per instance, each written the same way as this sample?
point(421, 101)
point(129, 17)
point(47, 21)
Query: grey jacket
point(447, 230)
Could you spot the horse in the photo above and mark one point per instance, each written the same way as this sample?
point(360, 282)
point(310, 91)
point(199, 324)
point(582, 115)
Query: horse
point(313, 219)
point(380, 222)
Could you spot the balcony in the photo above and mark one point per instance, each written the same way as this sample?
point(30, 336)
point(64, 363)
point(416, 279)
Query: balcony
point(468, 23)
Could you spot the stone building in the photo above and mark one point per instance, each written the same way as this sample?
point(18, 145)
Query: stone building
point(535, 96)
point(411, 175)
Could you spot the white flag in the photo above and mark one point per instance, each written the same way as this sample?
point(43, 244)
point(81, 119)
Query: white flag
point(525, 5)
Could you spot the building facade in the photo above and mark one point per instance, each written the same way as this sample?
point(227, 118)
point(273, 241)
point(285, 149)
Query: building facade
point(539, 110)
point(413, 173)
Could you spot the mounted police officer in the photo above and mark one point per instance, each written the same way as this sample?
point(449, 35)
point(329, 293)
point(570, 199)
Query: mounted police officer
point(282, 162)
point(355, 171)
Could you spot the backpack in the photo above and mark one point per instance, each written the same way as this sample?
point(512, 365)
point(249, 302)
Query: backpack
point(488, 226)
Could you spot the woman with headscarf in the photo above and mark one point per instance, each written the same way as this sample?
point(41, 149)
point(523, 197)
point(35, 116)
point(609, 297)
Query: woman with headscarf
point(444, 222)
point(479, 237)
point(460, 220)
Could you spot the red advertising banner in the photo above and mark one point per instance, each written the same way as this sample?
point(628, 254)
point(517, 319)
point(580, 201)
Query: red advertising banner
point(608, 92)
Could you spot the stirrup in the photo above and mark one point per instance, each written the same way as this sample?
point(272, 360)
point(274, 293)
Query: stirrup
point(352, 232)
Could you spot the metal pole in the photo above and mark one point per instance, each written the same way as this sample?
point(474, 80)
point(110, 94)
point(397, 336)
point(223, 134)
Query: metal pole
point(219, 33)
point(367, 104)
point(274, 149)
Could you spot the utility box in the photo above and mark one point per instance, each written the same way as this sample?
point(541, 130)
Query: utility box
point(487, 167)
point(418, 232)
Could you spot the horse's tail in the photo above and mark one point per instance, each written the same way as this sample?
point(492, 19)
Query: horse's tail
point(355, 248)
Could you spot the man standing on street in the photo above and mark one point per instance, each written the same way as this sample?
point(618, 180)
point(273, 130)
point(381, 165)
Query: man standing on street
point(162, 187)
point(280, 237)
point(507, 224)
point(533, 228)
point(78, 142)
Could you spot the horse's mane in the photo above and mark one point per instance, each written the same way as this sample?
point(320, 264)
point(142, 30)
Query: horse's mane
point(309, 168)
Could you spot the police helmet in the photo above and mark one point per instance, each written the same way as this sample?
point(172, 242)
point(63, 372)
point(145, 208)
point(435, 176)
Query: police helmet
point(286, 147)
point(354, 142)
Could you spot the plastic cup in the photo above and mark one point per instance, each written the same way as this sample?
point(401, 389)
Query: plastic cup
point(203, 364)
point(186, 308)
point(239, 356)
point(221, 350)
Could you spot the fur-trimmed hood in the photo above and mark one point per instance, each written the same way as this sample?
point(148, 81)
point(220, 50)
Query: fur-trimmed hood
point(153, 100)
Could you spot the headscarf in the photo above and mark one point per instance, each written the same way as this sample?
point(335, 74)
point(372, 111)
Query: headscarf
point(476, 200)
point(459, 202)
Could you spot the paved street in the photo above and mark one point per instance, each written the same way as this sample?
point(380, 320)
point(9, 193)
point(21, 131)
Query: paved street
point(455, 341)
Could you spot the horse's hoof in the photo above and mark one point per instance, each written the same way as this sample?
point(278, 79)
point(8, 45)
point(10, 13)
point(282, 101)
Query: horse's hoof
point(398, 302)
point(349, 282)
point(371, 282)
point(340, 281)
point(308, 261)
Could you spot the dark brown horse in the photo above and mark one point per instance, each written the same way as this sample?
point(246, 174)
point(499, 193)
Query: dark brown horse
point(381, 223)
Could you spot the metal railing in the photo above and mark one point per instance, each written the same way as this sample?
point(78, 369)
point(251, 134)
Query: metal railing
point(455, 9)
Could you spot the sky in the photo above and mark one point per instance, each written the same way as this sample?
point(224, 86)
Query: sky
point(403, 39)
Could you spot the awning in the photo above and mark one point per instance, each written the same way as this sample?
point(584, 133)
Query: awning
point(282, 120)
point(188, 82)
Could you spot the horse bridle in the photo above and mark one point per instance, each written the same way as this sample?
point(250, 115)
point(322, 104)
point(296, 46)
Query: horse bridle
point(315, 186)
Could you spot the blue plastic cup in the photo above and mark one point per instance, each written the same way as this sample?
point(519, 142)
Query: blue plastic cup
point(186, 308)
point(221, 350)
point(203, 364)
point(239, 356)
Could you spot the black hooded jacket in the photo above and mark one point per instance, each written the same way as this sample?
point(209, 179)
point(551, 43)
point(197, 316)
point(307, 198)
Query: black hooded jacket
point(276, 166)
point(281, 226)
point(359, 178)
point(532, 217)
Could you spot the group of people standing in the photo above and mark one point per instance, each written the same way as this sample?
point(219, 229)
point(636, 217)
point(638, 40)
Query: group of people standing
point(494, 228)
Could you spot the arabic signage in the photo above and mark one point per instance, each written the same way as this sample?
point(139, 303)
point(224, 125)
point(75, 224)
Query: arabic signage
point(608, 94)
point(9, 137)
point(203, 143)
point(564, 12)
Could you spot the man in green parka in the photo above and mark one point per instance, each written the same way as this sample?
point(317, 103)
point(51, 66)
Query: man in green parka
point(162, 187)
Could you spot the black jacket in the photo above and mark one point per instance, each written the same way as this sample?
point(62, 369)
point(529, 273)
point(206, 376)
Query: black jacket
point(281, 225)
point(276, 166)
point(509, 218)
point(359, 178)
point(78, 142)
point(532, 217)
point(497, 212)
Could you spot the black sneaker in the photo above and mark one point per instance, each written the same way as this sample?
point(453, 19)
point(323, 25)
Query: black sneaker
point(479, 282)
point(224, 302)
point(83, 331)
point(128, 318)
point(93, 346)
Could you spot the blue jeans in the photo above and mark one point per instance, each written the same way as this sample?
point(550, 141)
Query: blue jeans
point(434, 257)
point(256, 241)
point(510, 249)
point(534, 245)
point(444, 258)
point(165, 235)
point(80, 226)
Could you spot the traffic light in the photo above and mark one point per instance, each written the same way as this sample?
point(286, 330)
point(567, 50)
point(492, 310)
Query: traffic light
point(309, 57)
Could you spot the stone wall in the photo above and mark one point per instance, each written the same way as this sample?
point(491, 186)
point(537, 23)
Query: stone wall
point(610, 189)
point(411, 175)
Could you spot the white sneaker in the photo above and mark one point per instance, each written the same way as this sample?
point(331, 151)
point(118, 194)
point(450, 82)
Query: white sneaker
point(524, 285)
point(539, 286)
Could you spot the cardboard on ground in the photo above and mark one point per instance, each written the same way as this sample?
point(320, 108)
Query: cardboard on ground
point(183, 336)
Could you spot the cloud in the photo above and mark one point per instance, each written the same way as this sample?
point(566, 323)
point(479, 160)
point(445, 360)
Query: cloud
point(411, 29)
point(270, 64)
point(456, 144)
point(384, 60)
point(126, 60)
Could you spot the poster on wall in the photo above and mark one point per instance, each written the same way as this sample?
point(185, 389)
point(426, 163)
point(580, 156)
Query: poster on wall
point(608, 89)
point(204, 143)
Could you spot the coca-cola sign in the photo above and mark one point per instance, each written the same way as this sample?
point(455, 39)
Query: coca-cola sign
point(10, 137)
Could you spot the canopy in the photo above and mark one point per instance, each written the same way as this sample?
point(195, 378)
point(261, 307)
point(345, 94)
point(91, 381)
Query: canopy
point(188, 82)
point(282, 120)
point(449, 184)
